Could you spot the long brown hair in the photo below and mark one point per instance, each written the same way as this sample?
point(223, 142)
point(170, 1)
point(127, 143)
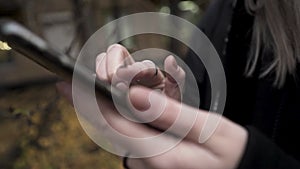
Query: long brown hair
point(277, 29)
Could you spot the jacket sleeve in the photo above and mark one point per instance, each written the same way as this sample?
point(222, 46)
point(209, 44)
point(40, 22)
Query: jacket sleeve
point(262, 153)
point(214, 24)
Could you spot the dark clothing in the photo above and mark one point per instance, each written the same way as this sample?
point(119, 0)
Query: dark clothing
point(251, 101)
point(262, 153)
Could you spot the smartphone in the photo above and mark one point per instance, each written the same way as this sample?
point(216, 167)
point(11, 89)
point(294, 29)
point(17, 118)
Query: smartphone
point(38, 50)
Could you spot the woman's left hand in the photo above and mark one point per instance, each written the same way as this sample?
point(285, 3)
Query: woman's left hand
point(223, 150)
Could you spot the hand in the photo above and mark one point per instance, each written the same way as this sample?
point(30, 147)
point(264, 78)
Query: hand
point(222, 151)
point(119, 68)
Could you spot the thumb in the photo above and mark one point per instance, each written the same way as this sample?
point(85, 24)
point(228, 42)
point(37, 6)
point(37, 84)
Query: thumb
point(175, 77)
point(163, 113)
point(147, 104)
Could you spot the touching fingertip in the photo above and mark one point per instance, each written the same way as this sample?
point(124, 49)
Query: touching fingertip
point(170, 59)
point(110, 47)
point(149, 63)
point(139, 98)
point(116, 45)
point(122, 86)
point(99, 58)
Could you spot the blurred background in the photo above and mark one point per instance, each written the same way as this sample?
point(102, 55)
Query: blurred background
point(38, 128)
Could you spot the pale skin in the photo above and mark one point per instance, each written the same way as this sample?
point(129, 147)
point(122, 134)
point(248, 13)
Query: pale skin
point(223, 150)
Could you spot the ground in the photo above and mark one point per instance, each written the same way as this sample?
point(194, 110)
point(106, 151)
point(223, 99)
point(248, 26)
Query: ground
point(40, 130)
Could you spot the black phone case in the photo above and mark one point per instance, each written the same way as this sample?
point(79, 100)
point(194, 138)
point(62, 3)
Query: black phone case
point(35, 48)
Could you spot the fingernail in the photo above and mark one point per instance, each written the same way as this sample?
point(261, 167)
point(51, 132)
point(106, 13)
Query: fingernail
point(139, 98)
point(111, 46)
point(174, 63)
point(99, 59)
point(122, 86)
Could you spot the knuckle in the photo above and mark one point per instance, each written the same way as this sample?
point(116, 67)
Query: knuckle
point(149, 63)
point(118, 48)
point(183, 74)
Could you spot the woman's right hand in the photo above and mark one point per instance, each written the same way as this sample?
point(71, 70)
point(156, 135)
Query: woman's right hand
point(117, 67)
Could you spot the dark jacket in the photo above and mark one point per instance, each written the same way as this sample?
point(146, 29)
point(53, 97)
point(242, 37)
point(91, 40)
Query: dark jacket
point(270, 114)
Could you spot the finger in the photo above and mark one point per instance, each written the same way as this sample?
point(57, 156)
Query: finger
point(186, 121)
point(141, 73)
point(150, 76)
point(117, 56)
point(127, 73)
point(175, 77)
point(138, 142)
point(101, 67)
